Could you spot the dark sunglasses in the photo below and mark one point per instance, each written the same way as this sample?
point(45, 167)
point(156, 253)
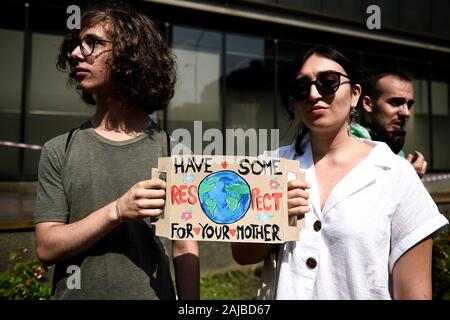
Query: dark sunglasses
point(327, 83)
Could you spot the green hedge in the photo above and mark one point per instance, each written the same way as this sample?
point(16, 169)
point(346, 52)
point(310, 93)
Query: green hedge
point(24, 279)
point(441, 267)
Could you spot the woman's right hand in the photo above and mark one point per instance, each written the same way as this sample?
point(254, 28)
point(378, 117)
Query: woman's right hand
point(144, 199)
point(298, 197)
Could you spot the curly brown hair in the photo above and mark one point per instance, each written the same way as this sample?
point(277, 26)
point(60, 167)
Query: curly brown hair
point(142, 67)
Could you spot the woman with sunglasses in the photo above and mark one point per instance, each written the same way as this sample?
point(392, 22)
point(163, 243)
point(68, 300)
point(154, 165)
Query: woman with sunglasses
point(368, 219)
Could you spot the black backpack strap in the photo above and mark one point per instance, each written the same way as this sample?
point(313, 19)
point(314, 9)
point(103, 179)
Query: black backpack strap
point(168, 144)
point(86, 125)
point(69, 137)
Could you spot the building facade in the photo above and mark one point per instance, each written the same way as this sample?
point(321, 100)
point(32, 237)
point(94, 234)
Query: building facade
point(231, 56)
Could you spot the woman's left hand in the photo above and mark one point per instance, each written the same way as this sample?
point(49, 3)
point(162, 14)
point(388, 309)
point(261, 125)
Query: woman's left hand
point(298, 197)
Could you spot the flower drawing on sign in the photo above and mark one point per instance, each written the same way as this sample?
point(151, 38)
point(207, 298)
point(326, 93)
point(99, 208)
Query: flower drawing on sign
point(186, 215)
point(187, 178)
point(264, 217)
point(274, 184)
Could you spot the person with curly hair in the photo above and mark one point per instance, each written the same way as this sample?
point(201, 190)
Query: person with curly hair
point(95, 202)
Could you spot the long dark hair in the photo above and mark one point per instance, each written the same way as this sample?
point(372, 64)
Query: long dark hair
point(323, 51)
point(142, 67)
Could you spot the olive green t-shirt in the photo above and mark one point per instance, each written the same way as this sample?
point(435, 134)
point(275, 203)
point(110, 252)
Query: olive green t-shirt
point(129, 262)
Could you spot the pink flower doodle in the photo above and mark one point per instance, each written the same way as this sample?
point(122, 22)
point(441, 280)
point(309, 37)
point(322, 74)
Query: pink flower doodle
point(186, 215)
point(274, 184)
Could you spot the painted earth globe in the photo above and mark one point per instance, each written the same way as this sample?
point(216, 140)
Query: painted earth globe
point(224, 196)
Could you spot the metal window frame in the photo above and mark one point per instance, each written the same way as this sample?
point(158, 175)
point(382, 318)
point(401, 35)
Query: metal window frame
point(26, 82)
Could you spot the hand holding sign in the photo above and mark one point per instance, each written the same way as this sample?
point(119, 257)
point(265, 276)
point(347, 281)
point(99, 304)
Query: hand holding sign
point(144, 199)
point(298, 197)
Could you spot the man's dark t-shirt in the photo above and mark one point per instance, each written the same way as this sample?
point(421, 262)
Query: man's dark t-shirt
point(129, 262)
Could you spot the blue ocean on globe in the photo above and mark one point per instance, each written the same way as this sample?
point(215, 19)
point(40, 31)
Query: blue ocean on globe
point(224, 196)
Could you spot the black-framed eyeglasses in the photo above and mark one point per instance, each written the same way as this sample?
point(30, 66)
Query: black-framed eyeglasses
point(327, 83)
point(87, 45)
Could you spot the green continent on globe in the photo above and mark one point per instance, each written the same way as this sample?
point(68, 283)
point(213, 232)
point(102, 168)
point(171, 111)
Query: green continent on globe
point(206, 187)
point(237, 189)
point(232, 203)
point(211, 206)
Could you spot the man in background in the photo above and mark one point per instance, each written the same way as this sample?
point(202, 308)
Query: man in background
point(386, 102)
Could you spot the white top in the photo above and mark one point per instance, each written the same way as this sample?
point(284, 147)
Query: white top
point(378, 211)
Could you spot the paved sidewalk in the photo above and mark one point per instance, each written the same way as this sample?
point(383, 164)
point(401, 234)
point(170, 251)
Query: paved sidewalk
point(17, 201)
point(16, 212)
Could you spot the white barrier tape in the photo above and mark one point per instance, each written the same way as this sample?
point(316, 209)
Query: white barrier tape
point(428, 178)
point(20, 145)
point(436, 177)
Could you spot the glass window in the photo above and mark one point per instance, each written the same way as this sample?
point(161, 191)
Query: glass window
point(415, 15)
point(418, 71)
point(345, 9)
point(304, 5)
point(372, 62)
point(52, 101)
point(418, 128)
point(420, 96)
point(249, 85)
point(11, 63)
point(440, 11)
point(287, 53)
point(197, 93)
point(440, 95)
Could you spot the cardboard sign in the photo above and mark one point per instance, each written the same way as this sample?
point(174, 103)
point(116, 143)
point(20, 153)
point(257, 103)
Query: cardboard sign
point(235, 199)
